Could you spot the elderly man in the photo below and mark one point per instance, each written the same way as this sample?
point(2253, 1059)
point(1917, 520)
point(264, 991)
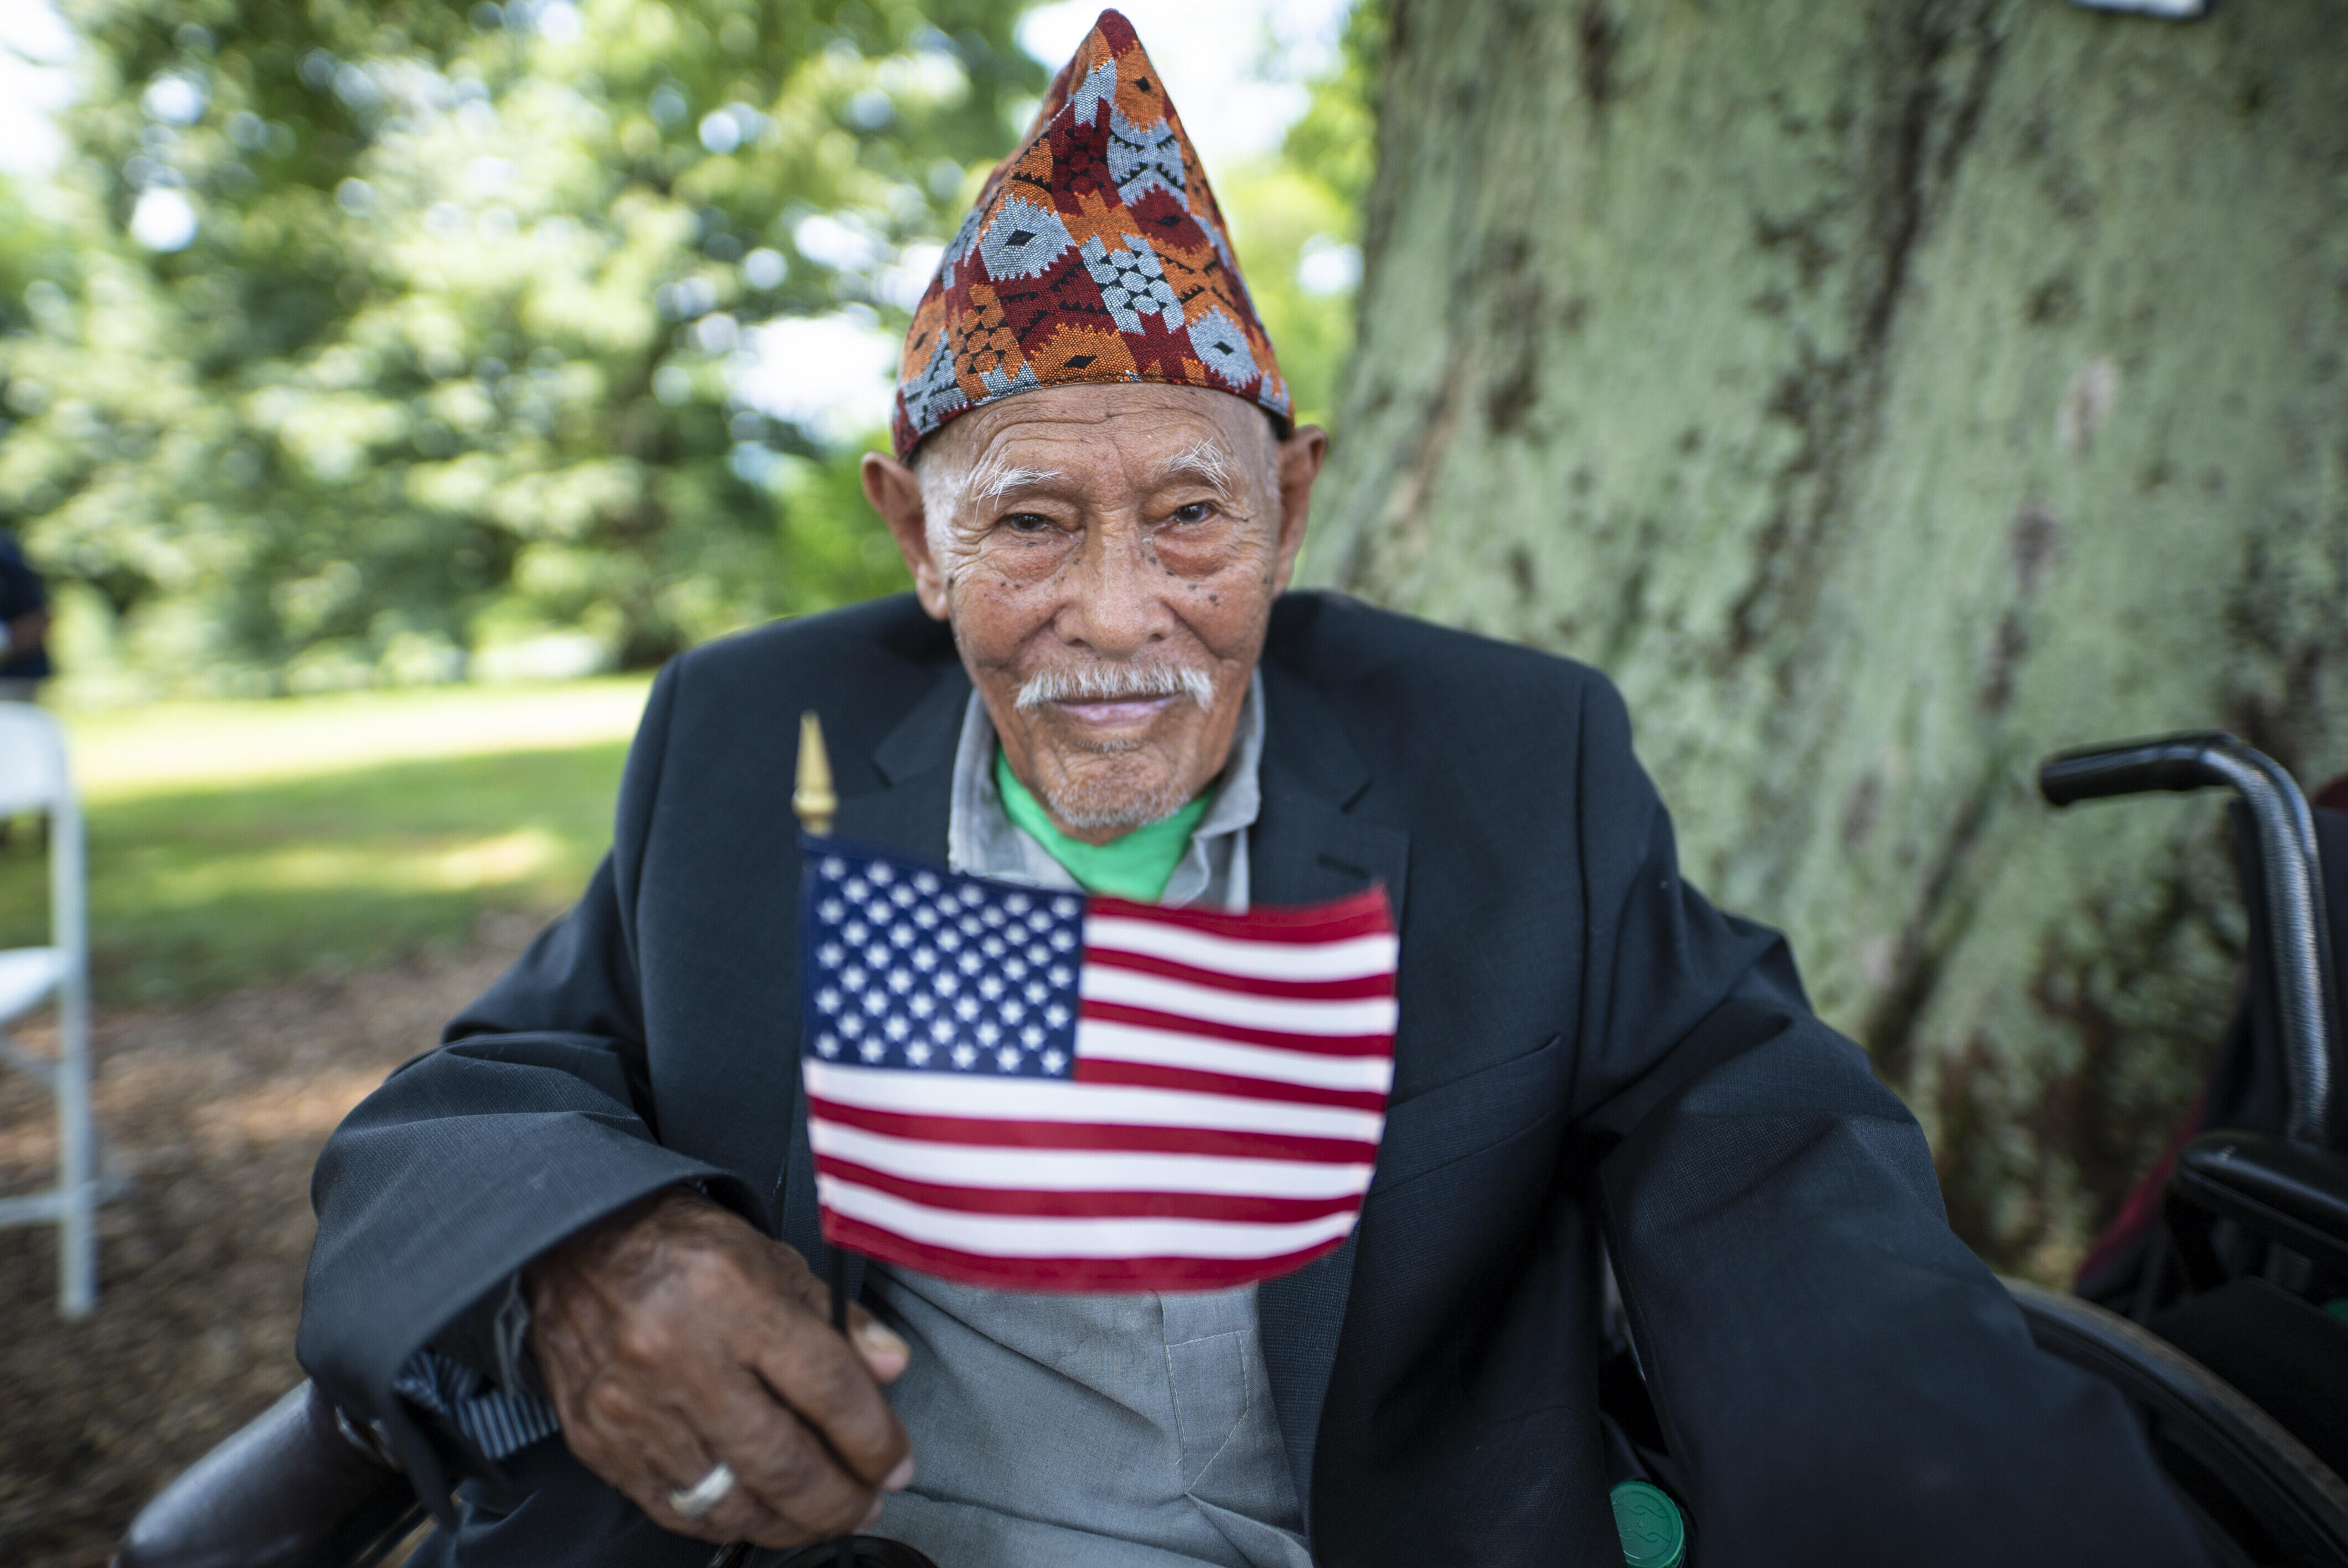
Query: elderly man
point(594, 1208)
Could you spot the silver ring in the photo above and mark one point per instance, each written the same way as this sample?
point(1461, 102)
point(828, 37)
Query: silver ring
point(694, 1502)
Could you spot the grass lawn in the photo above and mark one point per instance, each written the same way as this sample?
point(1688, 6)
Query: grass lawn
point(233, 842)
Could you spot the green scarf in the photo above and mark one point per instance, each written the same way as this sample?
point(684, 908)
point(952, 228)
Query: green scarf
point(1136, 864)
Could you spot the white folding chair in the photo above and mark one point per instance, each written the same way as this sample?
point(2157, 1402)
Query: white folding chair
point(34, 777)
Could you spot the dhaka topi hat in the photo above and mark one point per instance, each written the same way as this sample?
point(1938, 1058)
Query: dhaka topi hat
point(1096, 254)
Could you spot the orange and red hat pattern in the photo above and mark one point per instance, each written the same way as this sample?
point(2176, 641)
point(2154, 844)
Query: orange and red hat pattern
point(1095, 253)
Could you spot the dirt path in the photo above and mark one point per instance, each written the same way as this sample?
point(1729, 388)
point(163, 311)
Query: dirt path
point(217, 1112)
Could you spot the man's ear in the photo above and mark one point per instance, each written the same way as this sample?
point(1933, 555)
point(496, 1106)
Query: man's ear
point(1298, 459)
point(895, 492)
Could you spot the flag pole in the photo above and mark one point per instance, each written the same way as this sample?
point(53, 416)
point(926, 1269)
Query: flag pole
point(814, 802)
point(813, 798)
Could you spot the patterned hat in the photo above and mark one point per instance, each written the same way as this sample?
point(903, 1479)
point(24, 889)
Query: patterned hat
point(1095, 253)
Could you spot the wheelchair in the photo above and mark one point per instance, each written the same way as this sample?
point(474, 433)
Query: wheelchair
point(2217, 1306)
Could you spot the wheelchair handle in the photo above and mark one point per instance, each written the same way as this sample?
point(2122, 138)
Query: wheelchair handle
point(2301, 936)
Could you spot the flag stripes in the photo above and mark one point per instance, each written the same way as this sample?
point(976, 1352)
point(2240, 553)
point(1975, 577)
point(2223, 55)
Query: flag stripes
point(1044, 1092)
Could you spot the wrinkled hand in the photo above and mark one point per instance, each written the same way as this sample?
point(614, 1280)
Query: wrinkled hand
point(673, 1336)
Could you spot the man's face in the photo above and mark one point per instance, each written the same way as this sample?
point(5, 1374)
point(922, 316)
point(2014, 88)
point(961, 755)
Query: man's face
point(1107, 557)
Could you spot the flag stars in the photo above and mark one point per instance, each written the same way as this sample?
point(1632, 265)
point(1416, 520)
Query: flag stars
point(923, 970)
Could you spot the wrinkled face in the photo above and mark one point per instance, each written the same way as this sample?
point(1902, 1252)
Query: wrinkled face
point(1107, 557)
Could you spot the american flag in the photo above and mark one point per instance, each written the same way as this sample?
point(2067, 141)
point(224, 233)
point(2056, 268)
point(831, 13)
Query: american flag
point(1044, 1091)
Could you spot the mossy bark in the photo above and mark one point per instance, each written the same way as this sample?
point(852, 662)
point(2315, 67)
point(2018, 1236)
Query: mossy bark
point(1886, 394)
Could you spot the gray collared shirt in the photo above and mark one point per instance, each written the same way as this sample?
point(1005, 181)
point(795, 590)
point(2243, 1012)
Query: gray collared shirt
point(1129, 1431)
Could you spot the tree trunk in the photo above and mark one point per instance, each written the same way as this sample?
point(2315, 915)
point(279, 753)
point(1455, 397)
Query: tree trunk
point(1886, 393)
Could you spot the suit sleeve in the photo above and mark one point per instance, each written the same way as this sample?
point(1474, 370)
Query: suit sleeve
point(533, 1120)
point(1838, 1377)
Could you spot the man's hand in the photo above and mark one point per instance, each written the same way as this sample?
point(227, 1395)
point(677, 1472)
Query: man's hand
point(673, 1336)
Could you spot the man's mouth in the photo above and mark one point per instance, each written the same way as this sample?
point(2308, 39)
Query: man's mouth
point(1111, 696)
point(1112, 714)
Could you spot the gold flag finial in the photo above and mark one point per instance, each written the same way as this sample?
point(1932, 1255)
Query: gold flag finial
point(813, 799)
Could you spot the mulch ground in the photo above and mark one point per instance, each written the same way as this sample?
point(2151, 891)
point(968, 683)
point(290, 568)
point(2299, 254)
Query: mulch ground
point(216, 1113)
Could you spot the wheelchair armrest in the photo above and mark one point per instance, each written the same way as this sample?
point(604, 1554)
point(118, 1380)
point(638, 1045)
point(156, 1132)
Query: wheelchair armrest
point(287, 1490)
point(2290, 1194)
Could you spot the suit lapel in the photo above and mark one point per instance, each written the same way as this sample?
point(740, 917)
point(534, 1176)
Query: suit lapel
point(915, 762)
point(1306, 847)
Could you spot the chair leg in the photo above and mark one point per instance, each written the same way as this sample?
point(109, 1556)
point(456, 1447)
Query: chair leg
point(77, 1161)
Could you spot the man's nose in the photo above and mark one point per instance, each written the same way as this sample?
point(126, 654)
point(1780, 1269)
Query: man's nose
point(1116, 605)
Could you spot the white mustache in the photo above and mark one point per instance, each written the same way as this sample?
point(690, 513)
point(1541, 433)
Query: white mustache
point(1114, 683)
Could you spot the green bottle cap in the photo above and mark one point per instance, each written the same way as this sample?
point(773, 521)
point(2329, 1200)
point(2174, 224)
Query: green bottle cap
point(1648, 1521)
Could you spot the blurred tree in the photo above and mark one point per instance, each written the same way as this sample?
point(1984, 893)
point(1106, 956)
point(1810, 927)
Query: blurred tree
point(1296, 219)
point(396, 327)
point(1887, 394)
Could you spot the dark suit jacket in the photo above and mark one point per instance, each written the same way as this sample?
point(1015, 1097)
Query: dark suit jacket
point(1585, 1045)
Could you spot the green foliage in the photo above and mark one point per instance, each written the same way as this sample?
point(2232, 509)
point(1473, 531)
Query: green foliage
point(1337, 137)
point(444, 359)
point(1296, 220)
point(236, 842)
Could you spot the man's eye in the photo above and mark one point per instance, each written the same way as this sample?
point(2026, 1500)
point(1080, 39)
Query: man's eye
point(1026, 523)
point(1196, 512)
